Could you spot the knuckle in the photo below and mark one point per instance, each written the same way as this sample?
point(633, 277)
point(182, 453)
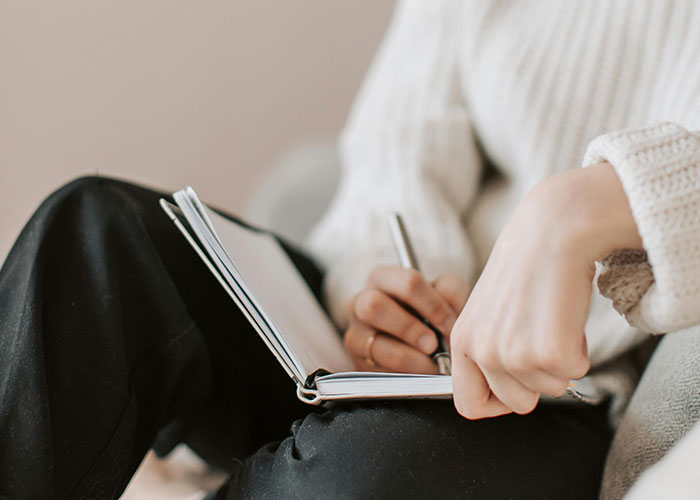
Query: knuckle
point(440, 314)
point(375, 274)
point(516, 359)
point(549, 358)
point(412, 282)
point(558, 359)
point(444, 283)
point(442, 278)
point(412, 331)
point(464, 290)
point(451, 282)
point(368, 304)
point(486, 357)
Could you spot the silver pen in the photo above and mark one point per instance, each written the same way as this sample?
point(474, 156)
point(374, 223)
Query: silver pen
point(407, 259)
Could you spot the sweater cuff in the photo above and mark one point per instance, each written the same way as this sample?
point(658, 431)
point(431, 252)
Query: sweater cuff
point(659, 168)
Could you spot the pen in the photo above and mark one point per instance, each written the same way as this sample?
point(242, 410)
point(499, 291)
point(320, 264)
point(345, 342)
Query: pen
point(407, 259)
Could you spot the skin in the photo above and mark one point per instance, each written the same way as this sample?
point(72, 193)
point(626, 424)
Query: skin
point(520, 334)
point(402, 342)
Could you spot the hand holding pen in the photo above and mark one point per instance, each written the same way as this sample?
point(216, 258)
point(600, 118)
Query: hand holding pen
point(385, 331)
point(408, 260)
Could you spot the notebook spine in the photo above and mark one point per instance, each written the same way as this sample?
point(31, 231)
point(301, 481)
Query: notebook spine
point(308, 392)
point(309, 395)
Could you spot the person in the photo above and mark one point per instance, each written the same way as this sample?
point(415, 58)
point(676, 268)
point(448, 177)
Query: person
point(116, 338)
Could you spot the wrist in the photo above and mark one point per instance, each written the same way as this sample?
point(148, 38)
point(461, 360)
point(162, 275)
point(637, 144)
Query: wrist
point(595, 217)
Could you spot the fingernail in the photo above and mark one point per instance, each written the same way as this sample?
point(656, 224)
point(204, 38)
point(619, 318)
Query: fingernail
point(427, 343)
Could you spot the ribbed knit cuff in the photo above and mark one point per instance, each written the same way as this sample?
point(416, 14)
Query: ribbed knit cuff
point(659, 168)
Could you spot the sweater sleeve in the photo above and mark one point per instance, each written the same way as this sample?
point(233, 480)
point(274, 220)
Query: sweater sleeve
point(659, 167)
point(407, 147)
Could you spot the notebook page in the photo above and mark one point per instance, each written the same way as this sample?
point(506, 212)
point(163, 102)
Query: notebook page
point(287, 300)
point(382, 385)
point(221, 269)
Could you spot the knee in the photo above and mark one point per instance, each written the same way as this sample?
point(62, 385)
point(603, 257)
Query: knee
point(83, 183)
point(90, 196)
point(83, 208)
point(81, 187)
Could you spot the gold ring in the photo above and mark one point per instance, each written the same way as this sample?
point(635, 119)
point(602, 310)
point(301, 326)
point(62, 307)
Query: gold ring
point(368, 350)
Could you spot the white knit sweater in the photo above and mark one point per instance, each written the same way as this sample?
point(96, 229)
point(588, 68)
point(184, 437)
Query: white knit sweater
point(542, 86)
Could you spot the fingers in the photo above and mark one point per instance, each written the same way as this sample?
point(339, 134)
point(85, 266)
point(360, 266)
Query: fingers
point(529, 368)
point(384, 353)
point(398, 357)
point(511, 392)
point(379, 311)
point(514, 385)
point(472, 395)
point(454, 289)
point(512, 372)
point(363, 365)
point(548, 371)
point(409, 287)
point(357, 343)
point(385, 319)
point(540, 381)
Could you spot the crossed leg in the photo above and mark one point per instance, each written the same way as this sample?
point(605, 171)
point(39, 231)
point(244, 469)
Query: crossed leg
point(114, 338)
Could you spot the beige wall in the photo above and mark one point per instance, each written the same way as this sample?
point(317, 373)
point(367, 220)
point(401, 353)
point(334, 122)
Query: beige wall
point(170, 92)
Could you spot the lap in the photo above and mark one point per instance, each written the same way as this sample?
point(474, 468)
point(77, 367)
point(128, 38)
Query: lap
point(424, 449)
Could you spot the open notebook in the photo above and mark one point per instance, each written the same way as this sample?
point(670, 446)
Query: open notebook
point(266, 285)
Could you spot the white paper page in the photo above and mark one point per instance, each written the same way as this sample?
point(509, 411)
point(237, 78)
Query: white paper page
point(195, 212)
point(232, 286)
point(373, 384)
point(280, 289)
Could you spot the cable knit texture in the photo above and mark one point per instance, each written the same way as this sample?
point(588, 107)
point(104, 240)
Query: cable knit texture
point(535, 82)
point(659, 167)
point(625, 277)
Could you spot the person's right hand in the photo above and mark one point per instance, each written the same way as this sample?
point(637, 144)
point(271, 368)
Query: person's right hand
point(402, 343)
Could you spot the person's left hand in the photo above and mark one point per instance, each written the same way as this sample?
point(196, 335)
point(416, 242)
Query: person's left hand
point(521, 333)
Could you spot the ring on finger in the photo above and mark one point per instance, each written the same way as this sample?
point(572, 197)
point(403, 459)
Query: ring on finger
point(368, 349)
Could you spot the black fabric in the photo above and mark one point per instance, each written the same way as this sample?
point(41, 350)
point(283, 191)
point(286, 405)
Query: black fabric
point(114, 338)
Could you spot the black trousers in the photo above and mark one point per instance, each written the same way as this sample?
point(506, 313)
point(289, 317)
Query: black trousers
point(114, 338)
